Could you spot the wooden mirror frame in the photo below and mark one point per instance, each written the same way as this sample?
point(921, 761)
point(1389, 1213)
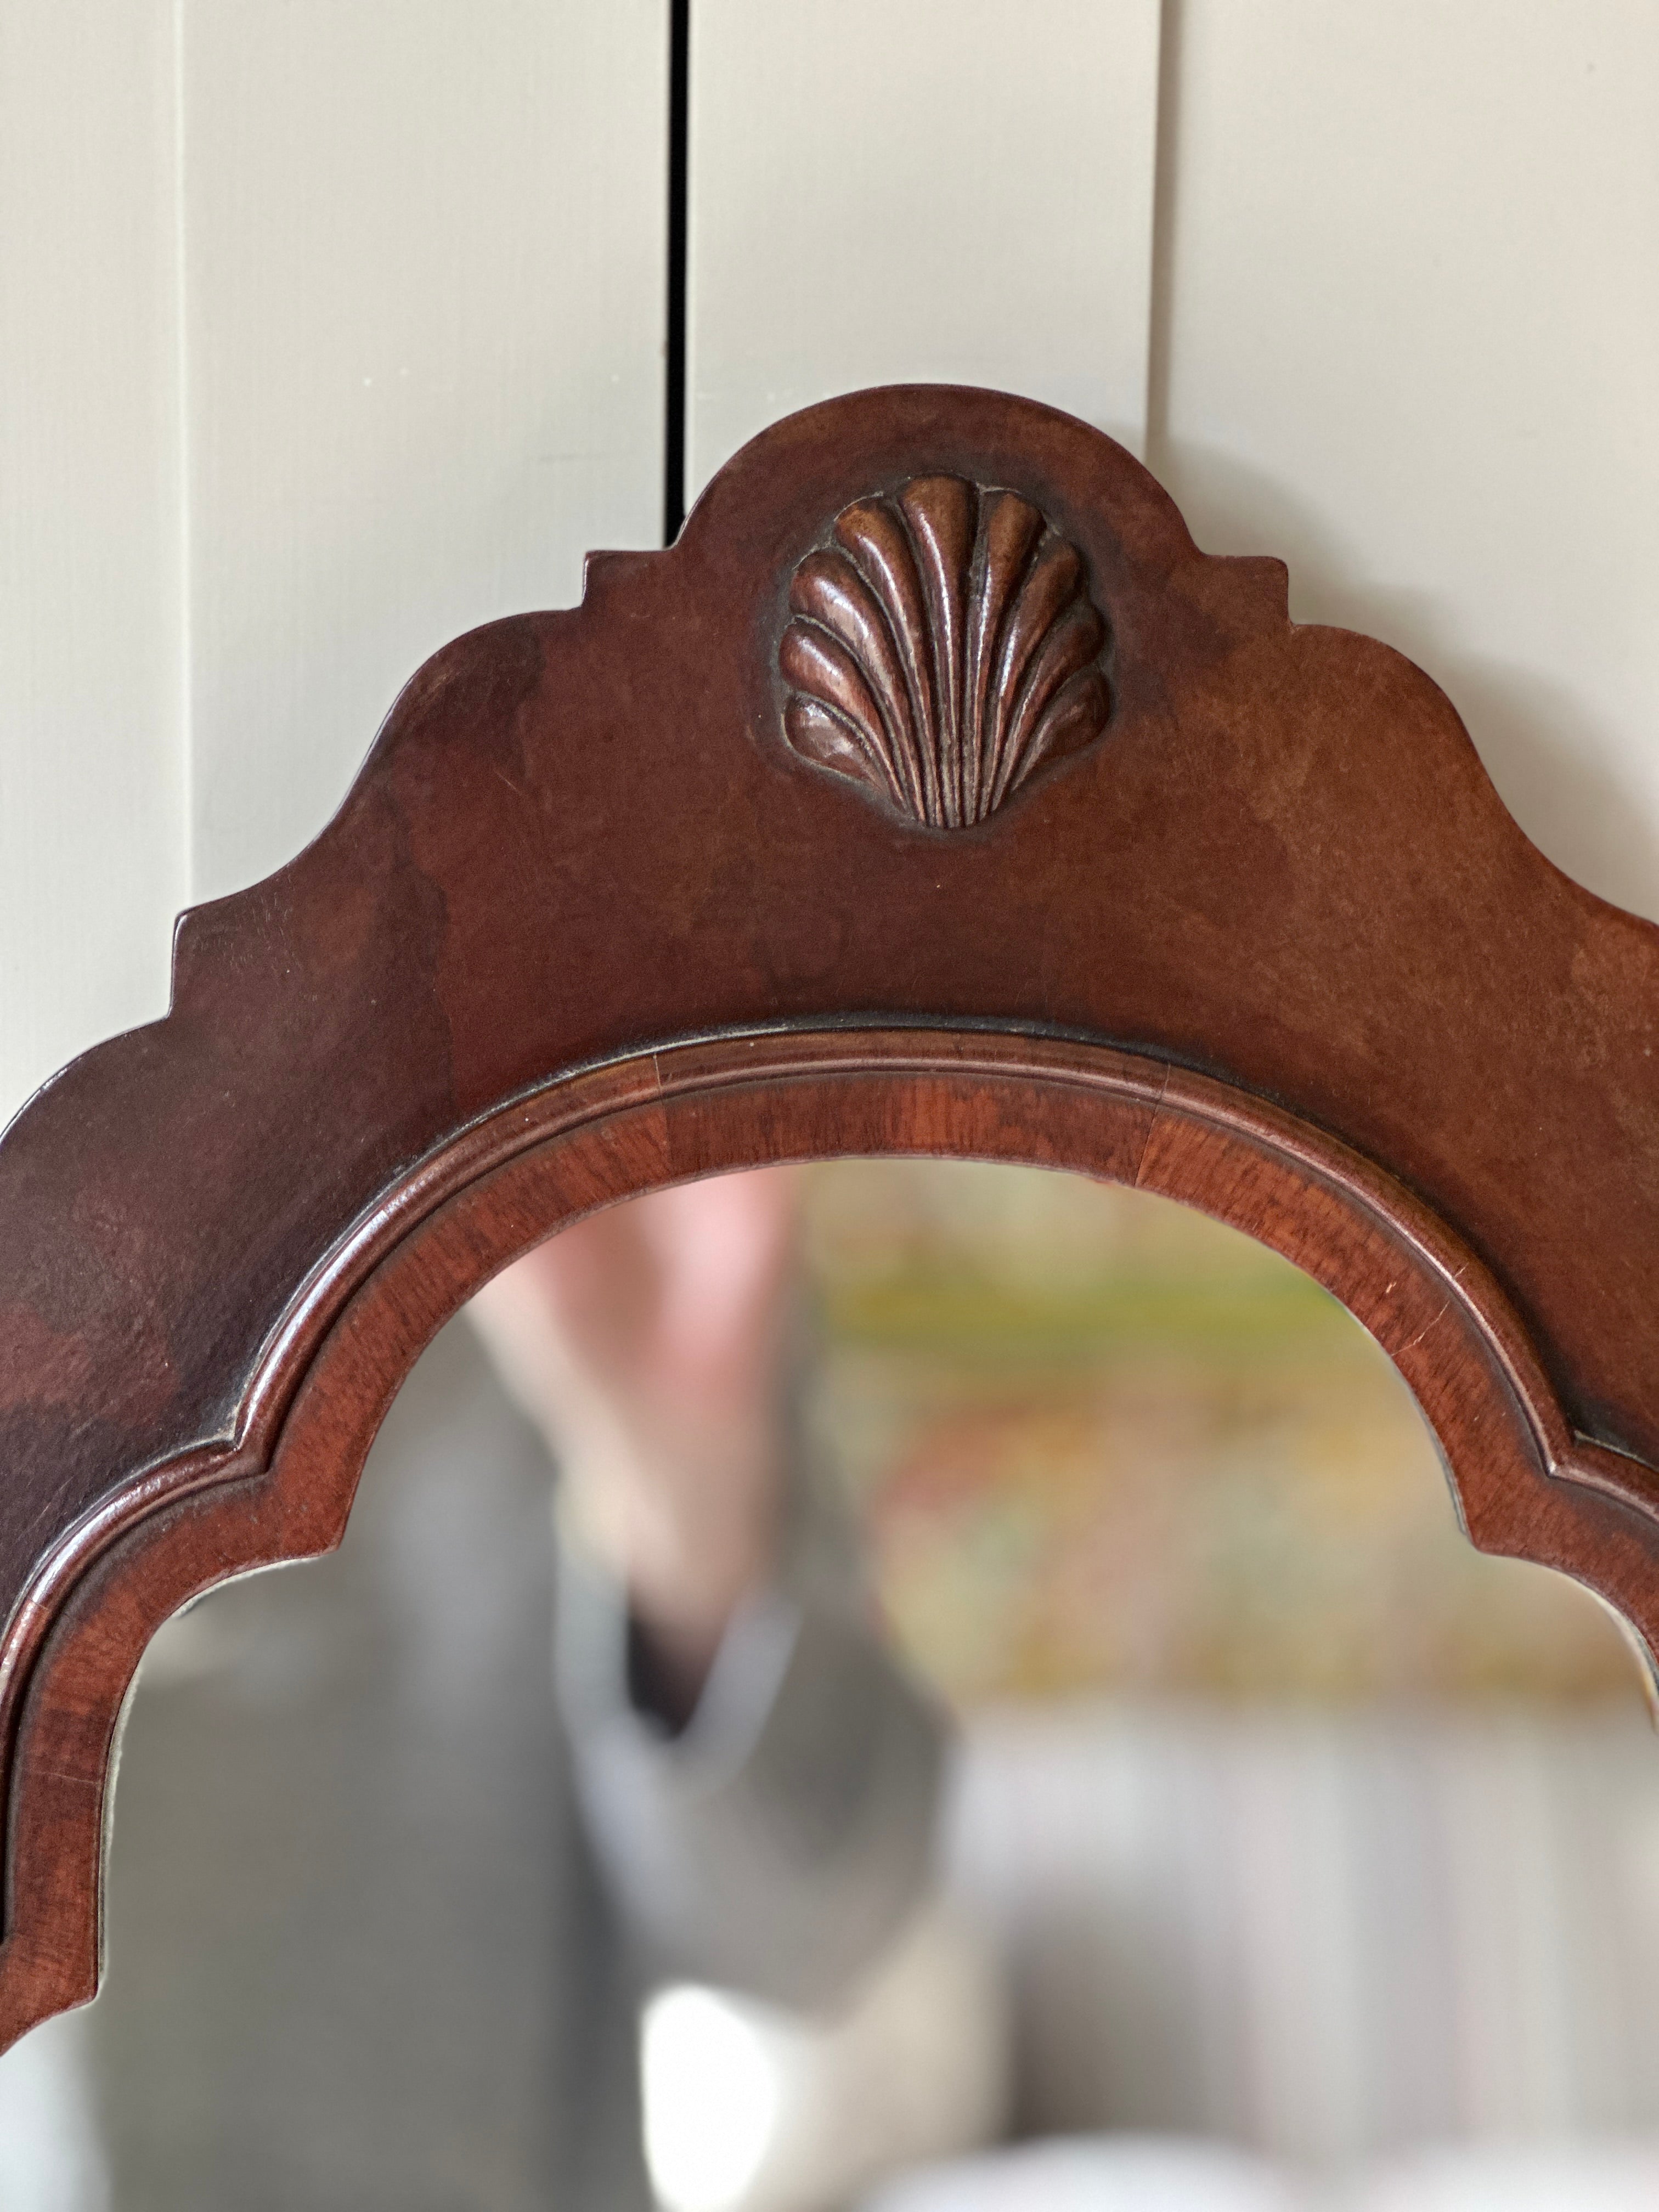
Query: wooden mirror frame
point(934, 793)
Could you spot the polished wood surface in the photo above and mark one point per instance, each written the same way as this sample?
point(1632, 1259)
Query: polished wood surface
point(725, 865)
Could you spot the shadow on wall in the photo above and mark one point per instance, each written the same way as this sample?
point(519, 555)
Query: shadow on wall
point(1545, 755)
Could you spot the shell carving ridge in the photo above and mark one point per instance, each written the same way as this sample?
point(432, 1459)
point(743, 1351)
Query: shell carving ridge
point(942, 650)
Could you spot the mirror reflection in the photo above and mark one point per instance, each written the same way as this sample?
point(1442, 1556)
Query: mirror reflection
point(992, 1708)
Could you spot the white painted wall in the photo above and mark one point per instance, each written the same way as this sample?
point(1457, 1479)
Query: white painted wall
point(424, 293)
point(950, 191)
point(93, 848)
point(327, 331)
point(1410, 341)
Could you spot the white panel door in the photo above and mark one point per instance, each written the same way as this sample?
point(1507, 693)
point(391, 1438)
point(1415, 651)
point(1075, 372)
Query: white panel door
point(424, 295)
point(325, 332)
point(1413, 347)
point(888, 189)
point(93, 855)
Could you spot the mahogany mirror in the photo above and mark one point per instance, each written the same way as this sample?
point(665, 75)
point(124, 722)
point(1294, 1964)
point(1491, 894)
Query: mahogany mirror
point(932, 794)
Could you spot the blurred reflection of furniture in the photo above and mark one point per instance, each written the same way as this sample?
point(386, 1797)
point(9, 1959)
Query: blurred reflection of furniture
point(1327, 1935)
point(1253, 1960)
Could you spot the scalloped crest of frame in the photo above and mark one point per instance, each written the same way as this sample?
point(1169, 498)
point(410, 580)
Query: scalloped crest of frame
point(1155, 885)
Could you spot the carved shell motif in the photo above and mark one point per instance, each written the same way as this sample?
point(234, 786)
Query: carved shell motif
point(942, 650)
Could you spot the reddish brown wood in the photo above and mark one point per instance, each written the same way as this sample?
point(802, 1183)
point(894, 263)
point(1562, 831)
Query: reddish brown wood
point(943, 649)
point(1152, 885)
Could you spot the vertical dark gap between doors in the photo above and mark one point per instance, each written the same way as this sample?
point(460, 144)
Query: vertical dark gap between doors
point(679, 100)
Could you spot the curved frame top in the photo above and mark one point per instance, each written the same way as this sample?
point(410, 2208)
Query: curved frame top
point(932, 793)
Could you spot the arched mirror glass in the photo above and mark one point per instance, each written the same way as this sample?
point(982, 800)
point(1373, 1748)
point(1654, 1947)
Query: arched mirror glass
point(1281, 1835)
